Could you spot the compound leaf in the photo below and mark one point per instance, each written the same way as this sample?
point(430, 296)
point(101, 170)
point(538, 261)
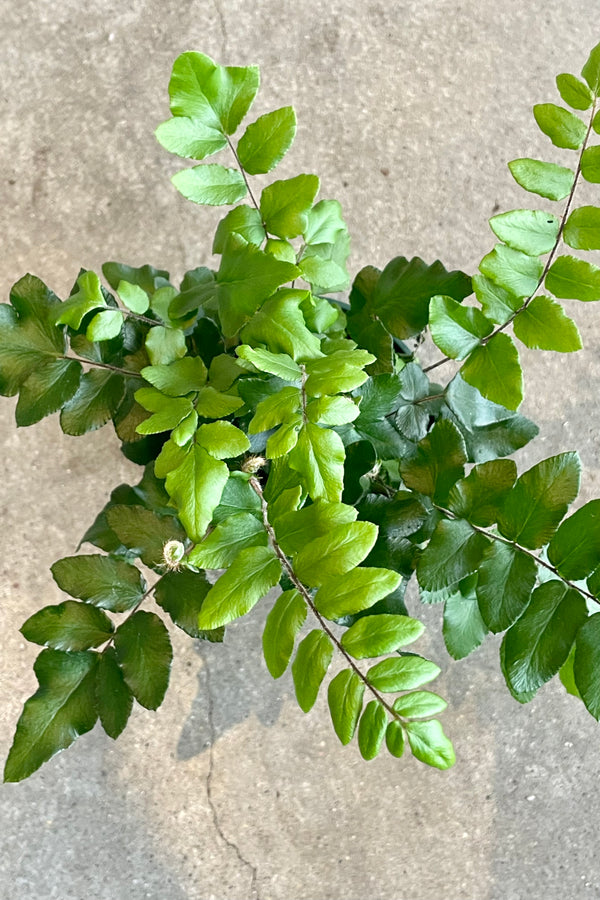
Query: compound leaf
point(506, 579)
point(195, 487)
point(335, 553)
point(495, 371)
point(570, 278)
point(354, 591)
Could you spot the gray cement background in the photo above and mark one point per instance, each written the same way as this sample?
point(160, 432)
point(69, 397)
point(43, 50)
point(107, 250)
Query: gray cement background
point(408, 111)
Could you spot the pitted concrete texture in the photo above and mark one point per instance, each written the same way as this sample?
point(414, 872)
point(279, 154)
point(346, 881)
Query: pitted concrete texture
point(408, 111)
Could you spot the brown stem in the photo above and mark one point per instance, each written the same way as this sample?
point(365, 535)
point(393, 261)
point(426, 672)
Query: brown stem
point(101, 365)
point(551, 255)
point(537, 559)
point(302, 590)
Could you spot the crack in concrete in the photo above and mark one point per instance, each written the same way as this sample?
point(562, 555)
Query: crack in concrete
point(254, 891)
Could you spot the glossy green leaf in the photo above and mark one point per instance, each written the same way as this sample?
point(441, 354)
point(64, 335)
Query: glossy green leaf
point(114, 699)
point(358, 589)
point(324, 222)
point(179, 378)
point(333, 411)
point(309, 667)
point(210, 184)
point(546, 179)
point(456, 329)
point(195, 487)
point(543, 325)
point(212, 404)
point(246, 277)
point(494, 369)
point(323, 266)
point(463, 627)
point(480, 496)
point(283, 441)
point(294, 529)
point(281, 327)
point(394, 738)
point(218, 95)
point(237, 497)
point(283, 623)
point(506, 579)
point(566, 674)
point(62, 708)
point(335, 553)
point(574, 279)
point(338, 372)
point(190, 137)
point(279, 364)
point(96, 400)
point(106, 582)
point(372, 636)
point(564, 128)
point(586, 667)
point(371, 729)
point(345, 697)
point(582, 228)
point(28, 336)
point(284, 205)
point(273, 410)
point(144, 652)
point(402, 673)
point(47, 389)
point(243, 220)
point(250, 577)
point(573, 91)
point(165, 345)
point(281, 250)
point(437, 463)
point(591, 69)
point(590, 164)
point(539, 500)
point(146, 277)
point(168, 412)
point(266, 141)
point(419, 705)
point(532, 231)
point(68, 626)
point(219, 549)
point(319, 459)
point(575, 548)
point(223, 440)
point(537, 645)
point(181, 595)
point(105, 325)
point(454, 551)
point(497, 303)
point(429, 744)
point(144, 532)
point(403, 290)
point(364, 325)
point(84, 300)
point(513, 270)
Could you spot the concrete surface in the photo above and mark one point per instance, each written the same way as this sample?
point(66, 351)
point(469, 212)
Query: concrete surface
point(408, 111)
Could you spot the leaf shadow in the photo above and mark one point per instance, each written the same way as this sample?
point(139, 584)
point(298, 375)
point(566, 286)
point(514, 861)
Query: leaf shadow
point(240, 686)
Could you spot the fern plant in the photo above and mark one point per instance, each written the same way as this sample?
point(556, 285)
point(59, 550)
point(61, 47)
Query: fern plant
point(290, 436)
